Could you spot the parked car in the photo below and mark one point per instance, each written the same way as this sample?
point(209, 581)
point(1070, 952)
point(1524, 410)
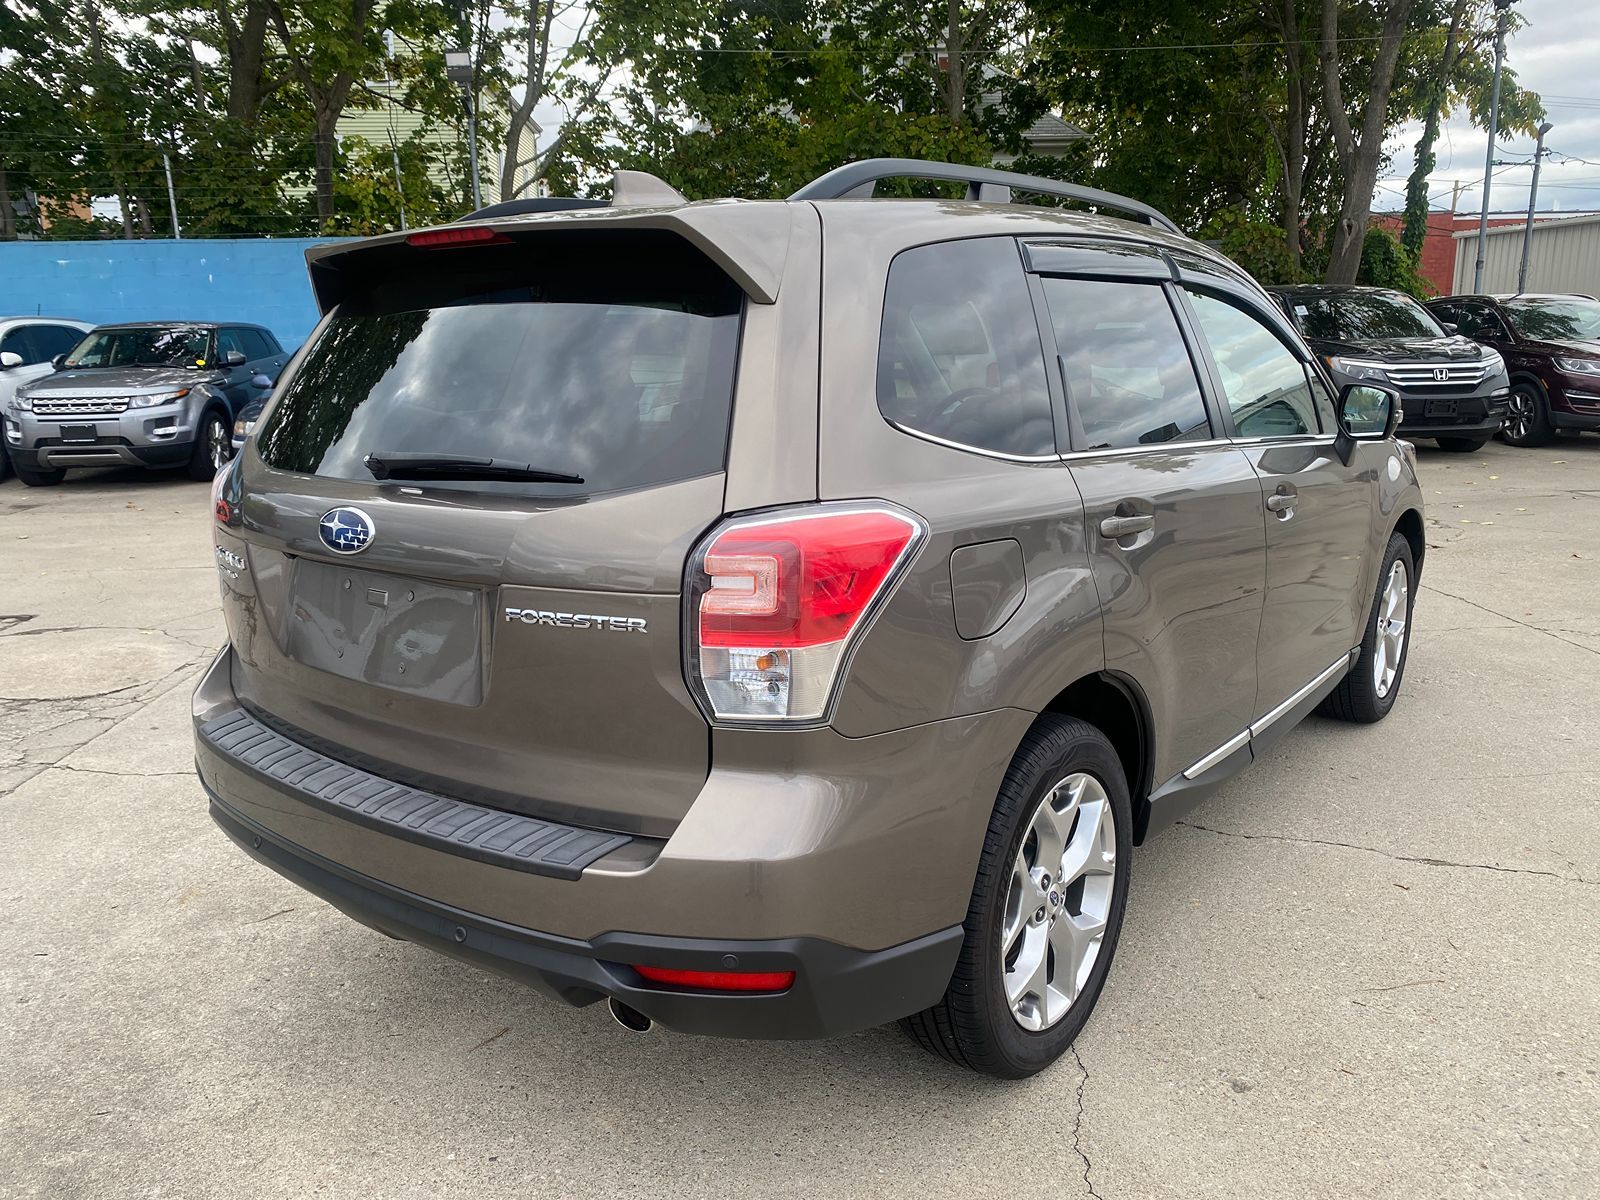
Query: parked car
point(153, 394)
point(245, 423)
point(1551, 343)
point(781, 618)
point(1452, 390)
point(27, 344)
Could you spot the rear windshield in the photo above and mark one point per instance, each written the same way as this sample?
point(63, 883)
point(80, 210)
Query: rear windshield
point(620, 372)
point(1363, 317)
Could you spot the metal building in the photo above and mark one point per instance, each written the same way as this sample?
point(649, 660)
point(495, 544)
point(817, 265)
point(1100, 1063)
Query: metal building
point(1565, 257)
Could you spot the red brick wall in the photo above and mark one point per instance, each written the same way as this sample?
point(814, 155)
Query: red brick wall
point(1439, 246)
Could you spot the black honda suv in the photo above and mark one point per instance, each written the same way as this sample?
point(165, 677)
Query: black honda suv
point(1452, 389)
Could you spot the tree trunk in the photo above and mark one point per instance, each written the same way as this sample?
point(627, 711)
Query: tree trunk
point(247, 46)
point(955, 76)
point(540, 18)
point(127, 212)
point(8, 223)
point(142, 211)
point(1415, 230)
point(324, 138)
point(1359, 155)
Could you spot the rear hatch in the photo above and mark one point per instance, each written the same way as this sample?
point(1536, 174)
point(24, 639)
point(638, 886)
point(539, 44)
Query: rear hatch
point(466, 515)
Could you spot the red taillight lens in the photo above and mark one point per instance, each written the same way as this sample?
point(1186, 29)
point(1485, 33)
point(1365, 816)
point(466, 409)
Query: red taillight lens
point(468, 235)
point(220, 508)
point(721, 981)
point(778, 598)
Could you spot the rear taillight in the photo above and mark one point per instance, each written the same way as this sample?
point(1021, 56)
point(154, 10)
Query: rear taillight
point(221, 507)
point(720, 981)
point(775, 601)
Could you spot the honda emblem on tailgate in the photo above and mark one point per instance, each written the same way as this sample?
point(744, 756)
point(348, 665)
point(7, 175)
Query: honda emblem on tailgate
point(345, 530)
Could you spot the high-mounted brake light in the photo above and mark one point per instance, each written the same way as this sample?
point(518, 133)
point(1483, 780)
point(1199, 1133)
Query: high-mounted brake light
point(775, 601)
point(467, 235)
point(720, 981)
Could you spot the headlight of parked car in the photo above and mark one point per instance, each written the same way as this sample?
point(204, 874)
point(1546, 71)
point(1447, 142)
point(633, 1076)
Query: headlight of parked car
point(21, 403)
point(1579, 366)
point(158, 398)
point(243, 426)
point(1493, 365)
point(1357, 370)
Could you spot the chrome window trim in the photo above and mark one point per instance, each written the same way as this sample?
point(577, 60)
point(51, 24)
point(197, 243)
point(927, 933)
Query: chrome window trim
point(986, 453)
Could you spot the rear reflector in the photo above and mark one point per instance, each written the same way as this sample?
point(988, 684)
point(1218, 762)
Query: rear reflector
point(720, 981)
point(466, 236)
point(777, 599)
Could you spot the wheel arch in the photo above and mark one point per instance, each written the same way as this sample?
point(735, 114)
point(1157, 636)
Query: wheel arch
point(1409, 526)
point(1116, 705)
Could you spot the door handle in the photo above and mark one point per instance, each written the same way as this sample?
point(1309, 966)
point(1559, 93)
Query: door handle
point(1282, 501)
point(1121, 527)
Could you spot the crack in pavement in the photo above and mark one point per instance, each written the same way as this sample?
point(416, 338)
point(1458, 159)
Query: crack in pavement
point(147, 629)
point(1426, 587)
point(1077, 1125)
point(1409, 858)
point(124, 774)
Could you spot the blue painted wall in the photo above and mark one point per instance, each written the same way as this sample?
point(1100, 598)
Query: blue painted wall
point(260, 280)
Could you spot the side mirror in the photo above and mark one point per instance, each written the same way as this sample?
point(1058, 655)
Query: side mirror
point(9, 359)
point(261, 383)
point(1450, 327)
point(59, 361)
point(234, 358)
point(1365, 411)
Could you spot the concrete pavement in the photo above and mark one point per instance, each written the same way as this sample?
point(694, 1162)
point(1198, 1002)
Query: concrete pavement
point(1368, 968)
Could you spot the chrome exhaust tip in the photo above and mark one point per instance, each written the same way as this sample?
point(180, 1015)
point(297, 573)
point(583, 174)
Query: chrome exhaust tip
point(627, 1016)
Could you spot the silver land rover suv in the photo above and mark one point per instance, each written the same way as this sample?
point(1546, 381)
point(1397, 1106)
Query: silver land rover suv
point(150, 394)
point(781, 618)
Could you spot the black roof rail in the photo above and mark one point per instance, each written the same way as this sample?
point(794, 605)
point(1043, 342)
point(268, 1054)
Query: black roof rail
point(983, 183)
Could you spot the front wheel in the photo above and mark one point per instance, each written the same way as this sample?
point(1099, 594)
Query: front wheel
point(39, 476)
point(212, 449)
point(1462, 445)
point(1527, 416)
point(1046, 909)
point(1368, 691)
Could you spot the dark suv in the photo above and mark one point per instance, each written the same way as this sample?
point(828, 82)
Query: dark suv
point(1453, 390)
point(1551, 345)
point(779, 618)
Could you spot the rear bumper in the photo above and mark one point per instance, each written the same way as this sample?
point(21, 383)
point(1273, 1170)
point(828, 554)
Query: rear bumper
point(847, 860)
point(837, 990)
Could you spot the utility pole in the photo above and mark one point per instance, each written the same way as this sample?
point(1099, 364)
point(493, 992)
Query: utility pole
point(1533, 196)
point(398, 185)
point(458, 69)
point(1502, 11)
point(172, 199)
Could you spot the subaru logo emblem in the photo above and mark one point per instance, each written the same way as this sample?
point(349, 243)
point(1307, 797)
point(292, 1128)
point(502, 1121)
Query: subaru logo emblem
point(1441, 374)
point(345, 530)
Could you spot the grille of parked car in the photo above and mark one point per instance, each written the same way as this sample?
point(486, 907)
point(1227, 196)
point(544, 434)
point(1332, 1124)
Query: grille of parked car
point(76, 406)
point(1440, 375)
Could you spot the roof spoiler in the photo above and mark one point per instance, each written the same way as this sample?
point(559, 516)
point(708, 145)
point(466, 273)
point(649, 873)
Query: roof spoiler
point(629, 189)
point(859, 179)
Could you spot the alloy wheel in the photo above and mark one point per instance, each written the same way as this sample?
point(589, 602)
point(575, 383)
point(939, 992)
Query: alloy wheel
point(1520, 414)
point(1393, 610)
point(1059, 901)
point(217, 444)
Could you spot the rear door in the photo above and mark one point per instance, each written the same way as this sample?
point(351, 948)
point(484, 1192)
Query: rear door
point(1318, 510)
point(1174, 510)
point(514, 641)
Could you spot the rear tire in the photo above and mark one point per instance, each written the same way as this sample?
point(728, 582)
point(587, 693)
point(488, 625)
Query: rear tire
point(1528, 417)
point(1368, 690)
point(1068, 767)
point(36, 477)
point(213, 447)
point(1462, 445)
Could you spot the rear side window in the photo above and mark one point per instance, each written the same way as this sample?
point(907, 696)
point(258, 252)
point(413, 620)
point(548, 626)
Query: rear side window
point(619, 370)
point(1128, 373)
point(959, 357)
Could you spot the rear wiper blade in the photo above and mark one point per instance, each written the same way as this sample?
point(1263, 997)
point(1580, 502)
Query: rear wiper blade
point(394, 464)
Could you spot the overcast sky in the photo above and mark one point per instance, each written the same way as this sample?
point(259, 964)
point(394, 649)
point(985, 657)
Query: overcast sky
point(1558, 56)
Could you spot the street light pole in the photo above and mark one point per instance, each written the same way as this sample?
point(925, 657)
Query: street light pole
point(458, 69)
point(1533, 197)
point(172, 200)
point(1501, 12)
